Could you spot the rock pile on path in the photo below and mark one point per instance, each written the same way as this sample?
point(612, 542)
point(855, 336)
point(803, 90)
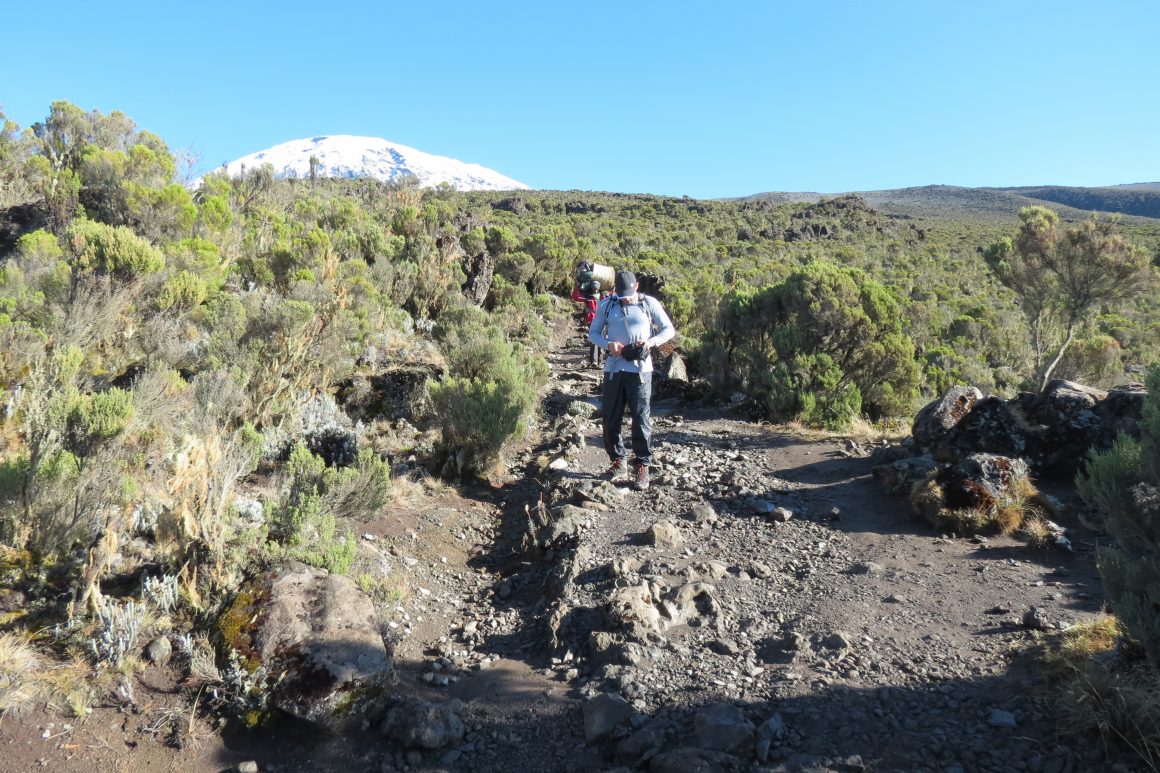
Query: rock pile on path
point(976, 448)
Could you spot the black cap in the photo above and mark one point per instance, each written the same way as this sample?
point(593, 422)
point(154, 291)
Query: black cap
point(625, 284)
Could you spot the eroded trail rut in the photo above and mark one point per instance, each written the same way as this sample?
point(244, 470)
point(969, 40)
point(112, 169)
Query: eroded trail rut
point(764, 606)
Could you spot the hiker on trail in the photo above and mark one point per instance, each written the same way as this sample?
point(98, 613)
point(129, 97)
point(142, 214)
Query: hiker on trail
point(628, 325)
point(589, 294)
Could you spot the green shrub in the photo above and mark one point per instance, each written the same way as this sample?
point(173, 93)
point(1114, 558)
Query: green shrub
point(112, 250)
point(304, 524)
point(1123, 484)
point(821, 346)
point(811, 389)
point(487, 399)
point(1133, 586)
point(97, 417)
point(305, 531)
point(182, 291)
point(478, 418)
point(1106, 482)
point(357, 491)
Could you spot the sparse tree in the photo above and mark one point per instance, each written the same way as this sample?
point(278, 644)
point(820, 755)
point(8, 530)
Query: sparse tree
point(1062, 279)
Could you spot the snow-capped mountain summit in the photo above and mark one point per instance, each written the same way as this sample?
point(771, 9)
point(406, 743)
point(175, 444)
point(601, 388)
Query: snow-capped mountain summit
point(343, 155)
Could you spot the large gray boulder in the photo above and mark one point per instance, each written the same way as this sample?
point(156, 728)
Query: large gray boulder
point(940, 416)
point(316, 638)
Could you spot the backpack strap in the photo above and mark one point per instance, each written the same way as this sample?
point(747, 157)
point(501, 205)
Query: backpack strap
point(603, 310)
point(646, 302)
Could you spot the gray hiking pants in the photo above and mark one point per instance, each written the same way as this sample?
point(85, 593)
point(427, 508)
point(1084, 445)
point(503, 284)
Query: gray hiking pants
point(621, 389)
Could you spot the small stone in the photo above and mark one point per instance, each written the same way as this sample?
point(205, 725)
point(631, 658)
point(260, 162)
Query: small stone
point(249, 766)
point(1036, 619)
point(722, 727)
point(665, 534)
point(762, 506)
point(702, 512)
point(836, 641)
point(780, 515)
point(159, 651)
point(1001, 718)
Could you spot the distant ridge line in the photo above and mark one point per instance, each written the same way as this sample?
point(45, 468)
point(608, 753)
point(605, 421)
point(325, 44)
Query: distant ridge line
point(1132, 200)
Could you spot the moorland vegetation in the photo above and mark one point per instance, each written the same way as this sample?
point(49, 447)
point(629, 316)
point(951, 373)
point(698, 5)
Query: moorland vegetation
point(163, 347)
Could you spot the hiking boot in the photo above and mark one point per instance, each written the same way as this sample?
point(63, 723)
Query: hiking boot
point(616, 470)
point(640, 482)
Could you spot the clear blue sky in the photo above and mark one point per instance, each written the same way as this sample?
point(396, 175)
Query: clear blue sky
point(706, 99)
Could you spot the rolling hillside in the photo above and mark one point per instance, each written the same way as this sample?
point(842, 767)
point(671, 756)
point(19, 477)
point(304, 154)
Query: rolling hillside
point(1139, 200)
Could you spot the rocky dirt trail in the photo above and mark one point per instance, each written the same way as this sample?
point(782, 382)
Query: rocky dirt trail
point(765, 605)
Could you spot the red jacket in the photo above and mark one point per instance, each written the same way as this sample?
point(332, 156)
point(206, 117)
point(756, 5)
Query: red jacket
point(589, 305)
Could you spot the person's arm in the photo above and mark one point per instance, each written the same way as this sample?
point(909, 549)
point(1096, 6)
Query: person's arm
point(662, 321)
point(576, 296)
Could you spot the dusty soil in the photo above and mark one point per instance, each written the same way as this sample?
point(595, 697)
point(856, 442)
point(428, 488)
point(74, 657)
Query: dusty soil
point(875, 642)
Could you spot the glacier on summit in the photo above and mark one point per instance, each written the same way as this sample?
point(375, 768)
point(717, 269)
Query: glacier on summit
point(342, 155)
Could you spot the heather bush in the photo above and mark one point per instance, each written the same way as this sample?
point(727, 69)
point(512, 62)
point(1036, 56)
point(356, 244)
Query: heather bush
point(111, 250)
point(1123, 485)
point(488, 396)
point(304, 531)
point(304, 524)
point(821, 346)
point(810, 389)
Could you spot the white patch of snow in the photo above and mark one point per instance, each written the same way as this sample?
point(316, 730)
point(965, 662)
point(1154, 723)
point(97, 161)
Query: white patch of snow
point(344, 155)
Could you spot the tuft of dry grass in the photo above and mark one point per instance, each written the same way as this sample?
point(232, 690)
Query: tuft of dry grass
point(28, 678)
point(928, 501)
point(415, 488)
point(1021, 508)
point(22, 672)
point(1100, 694)
point(1037, 533)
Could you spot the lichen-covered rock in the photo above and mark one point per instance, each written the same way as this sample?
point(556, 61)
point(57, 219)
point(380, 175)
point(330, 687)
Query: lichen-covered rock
point(1120, 411)
point(979, 480)
point(314, 635)
point(1062, 400)
point(940, 416)
point(1068, 419)
point(990, 427)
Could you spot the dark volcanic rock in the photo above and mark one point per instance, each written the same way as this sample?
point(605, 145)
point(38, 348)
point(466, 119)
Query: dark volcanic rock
point(935, 420)
point(979, 480)
point(990, 427)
